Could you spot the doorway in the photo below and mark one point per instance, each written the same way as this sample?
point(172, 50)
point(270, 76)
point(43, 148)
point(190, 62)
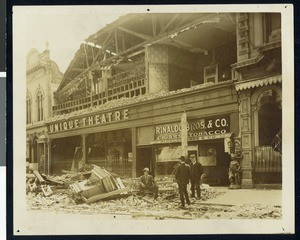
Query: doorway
point(212, 157)
point(144, 158)
point(267, 164)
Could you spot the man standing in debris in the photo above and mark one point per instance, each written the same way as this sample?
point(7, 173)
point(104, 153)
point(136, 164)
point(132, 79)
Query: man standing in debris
point(196, 172)
point(147, 183)
point(182, 176)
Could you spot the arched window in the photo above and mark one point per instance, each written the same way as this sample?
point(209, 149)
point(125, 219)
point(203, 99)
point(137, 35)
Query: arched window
point(28, 109)
point(40, 106)
point(269, 117)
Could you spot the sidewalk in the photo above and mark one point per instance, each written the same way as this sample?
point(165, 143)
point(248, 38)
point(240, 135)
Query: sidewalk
point(246, 196)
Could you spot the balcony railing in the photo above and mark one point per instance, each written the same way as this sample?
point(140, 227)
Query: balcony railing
point(117, 88)
point(267, 160)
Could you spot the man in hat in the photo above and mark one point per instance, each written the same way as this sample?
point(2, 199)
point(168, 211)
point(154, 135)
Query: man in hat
point(147, 183)
point(196, 172)
point(182, 176)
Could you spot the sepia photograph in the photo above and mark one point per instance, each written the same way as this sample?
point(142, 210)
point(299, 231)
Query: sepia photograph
point(153, 119)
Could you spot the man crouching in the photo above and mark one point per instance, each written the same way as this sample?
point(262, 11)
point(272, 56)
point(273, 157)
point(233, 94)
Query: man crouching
point(147, 183)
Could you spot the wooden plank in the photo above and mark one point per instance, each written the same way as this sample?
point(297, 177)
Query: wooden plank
point(50, 179)
point(86, 56)
point(38, 175)
point(119, 181)
point(106, 195)
point(103, 47)
point(46, 190)
point(214, 204)
point(30, 175)
point(116, 41)
point(108, 185)
point(139, 35)
point(189, 47)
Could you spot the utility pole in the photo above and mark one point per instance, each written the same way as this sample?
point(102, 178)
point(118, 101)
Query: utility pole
point(184, 135)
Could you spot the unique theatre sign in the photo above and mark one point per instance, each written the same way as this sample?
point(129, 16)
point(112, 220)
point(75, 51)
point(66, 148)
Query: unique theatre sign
point(86, 121)
point(198, 129)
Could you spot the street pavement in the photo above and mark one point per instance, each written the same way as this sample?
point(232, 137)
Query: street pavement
point(247, 196)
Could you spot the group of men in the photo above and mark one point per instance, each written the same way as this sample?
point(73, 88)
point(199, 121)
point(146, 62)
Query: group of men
point(184, 173)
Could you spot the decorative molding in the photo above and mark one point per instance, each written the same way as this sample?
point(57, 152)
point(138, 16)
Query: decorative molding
point(253, 83)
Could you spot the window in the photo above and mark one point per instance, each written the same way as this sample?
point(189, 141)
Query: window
point(40, 106)
point(28, 109)
point(211, 74)
point(272, 23)
point(269, 117)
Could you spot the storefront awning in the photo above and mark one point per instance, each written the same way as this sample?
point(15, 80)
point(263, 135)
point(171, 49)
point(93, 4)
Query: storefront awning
point(257, 83)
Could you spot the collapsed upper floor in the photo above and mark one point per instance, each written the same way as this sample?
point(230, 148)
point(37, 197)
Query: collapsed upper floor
point(140, 54)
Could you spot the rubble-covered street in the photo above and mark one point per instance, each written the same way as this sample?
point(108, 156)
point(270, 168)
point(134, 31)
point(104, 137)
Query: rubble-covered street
point(61, 196)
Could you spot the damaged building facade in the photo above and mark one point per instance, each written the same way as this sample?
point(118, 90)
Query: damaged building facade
point(42, 79)
point(120, 102)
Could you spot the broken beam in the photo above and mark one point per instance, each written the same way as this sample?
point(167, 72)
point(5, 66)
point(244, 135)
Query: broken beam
point(139, 35)
point(189, 47)
point(38, 175)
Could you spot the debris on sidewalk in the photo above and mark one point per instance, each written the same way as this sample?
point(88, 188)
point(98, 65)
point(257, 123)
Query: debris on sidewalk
point(100, 185)
point(94, 190)
point(46, 190)
point(90, 183)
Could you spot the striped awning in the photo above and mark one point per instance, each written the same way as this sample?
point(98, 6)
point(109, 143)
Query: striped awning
point(108, 67)
point(257, 83)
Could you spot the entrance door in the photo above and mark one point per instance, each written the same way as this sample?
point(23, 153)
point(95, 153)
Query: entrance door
point(268, 159)
point(211, 156)
point(144, 158)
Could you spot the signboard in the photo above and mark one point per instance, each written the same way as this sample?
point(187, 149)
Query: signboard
point(197, 129)
point(94, 120)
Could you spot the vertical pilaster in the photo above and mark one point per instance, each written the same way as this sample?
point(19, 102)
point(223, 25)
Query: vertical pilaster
point(242, 28)
point(83, 136)
point(133, 142)
point(246, 138)
point(45, 157)
point(49, 156)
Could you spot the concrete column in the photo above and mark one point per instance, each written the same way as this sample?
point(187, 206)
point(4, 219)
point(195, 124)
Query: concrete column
point(44, 152)
point(83, 136)
point(246, 138)
point(49, 156)
point(133, 142)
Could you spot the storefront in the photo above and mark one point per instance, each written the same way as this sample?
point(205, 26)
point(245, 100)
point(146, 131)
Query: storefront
point(37, 149)
point(210, 138)
point(125, 140)
point(261, 130)
point(148, 134)
point(87, 139)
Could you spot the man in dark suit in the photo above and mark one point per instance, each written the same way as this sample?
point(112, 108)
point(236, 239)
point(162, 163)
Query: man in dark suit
point(147, 183)
point(182, 176)
point(196, 172)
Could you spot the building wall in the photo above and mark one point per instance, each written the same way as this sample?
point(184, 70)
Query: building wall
point(42, 75)
point(258, 61)
point(158, 68)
